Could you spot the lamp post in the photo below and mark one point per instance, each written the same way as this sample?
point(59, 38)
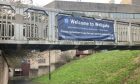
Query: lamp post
point(49, 66)
point(50, 61)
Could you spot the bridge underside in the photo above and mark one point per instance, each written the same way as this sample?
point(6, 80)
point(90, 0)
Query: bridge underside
point(66, 47)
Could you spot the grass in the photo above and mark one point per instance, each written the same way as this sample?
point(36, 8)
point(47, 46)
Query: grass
point(112, 67)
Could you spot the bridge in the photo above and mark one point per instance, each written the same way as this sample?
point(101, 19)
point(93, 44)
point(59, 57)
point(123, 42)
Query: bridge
point(30, 27)
point(36, 27)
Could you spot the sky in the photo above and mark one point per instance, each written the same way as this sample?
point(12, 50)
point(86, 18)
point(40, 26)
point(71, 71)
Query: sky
point(44, 2)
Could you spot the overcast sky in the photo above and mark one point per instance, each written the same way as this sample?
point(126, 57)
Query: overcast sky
point(44, 2)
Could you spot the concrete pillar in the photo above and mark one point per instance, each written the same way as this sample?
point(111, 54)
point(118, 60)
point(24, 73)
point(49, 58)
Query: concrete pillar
point(3, 71)
point(5, 74)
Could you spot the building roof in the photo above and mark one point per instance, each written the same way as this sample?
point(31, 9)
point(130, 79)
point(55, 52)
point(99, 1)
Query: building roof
point(88, 6)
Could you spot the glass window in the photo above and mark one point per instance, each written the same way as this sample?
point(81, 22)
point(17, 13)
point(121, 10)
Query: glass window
point(113, 15)
point(137, 16)
point(122, 15)
point(126, 16)
point(131, 16)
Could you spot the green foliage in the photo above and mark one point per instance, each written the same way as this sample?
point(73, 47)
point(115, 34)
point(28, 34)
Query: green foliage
point(111, 67)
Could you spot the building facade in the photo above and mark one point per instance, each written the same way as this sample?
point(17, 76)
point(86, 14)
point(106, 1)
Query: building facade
point(123, 12)
point(126, 2)
point(134, 2)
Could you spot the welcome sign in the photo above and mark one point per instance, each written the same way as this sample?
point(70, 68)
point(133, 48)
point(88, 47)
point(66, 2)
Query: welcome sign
point(84, 29)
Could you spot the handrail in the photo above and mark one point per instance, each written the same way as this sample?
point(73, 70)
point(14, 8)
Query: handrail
point(35, 10)
point(8, 5)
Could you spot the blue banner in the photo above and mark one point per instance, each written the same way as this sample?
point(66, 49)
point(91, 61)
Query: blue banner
point(84, 29)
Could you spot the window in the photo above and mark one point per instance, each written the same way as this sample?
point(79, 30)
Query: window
point(41, 60)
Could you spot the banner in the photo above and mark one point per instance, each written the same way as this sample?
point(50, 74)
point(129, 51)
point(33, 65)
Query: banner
point(84, 29)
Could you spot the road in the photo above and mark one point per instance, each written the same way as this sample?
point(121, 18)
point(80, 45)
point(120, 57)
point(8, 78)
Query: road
point(19, 81)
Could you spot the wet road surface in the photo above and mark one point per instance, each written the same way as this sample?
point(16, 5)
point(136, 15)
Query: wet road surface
point(19, 81)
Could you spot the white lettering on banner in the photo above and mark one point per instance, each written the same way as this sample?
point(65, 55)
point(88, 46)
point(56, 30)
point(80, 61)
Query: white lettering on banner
point(101, 25)
point(79, 22)
point(84, 23)
point(76, 32)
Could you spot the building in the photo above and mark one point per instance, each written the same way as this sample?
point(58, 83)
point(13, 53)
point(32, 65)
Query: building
point(112, 1)
point(134, 2)
point(123, 12)
point(126, 2)
point(39, 61)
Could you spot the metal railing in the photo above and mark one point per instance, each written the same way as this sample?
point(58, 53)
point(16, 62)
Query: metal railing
point(122, 31)
point(35, 24)
point(6, 22)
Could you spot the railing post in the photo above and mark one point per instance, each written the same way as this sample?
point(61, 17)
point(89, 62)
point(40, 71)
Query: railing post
point(50, 33)
point(115, 32)
point(52, 26)
point(129, 34)
point(19, 24)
